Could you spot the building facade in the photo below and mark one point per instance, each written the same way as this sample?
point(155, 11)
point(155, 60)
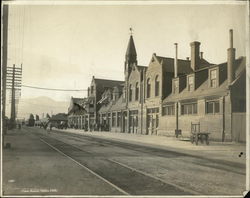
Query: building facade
point(169, 94)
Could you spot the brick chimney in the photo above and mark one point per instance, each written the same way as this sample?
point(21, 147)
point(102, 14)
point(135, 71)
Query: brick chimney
point(195, 54)
point(176, 61)
point(201, 55)
point(230, 59)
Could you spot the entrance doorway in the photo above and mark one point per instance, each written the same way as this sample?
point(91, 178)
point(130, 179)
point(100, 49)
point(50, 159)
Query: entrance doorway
point(152, 121)
point(133, 121)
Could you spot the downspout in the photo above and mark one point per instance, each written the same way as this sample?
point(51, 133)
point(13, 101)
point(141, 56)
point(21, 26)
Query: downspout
point(177, 117)
point(223, 117)
point(141, 96)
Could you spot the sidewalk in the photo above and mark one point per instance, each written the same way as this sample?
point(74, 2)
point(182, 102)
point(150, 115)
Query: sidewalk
point(226, 151)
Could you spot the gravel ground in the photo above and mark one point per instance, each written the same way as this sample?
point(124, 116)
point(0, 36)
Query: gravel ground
point(30, 167)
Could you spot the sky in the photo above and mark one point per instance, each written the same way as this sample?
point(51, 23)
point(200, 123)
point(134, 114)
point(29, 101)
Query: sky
point(63, 46)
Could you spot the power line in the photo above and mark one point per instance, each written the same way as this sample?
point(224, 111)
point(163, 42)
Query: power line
point(53, 89)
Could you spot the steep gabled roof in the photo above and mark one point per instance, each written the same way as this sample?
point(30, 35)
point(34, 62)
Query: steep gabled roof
point(131, 51)
point(79, 101)
point(201, 92)
point(108, 83)
point(184, 66)
point(204, 90)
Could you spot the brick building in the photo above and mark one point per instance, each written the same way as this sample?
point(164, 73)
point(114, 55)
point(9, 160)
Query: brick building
point(170, 93)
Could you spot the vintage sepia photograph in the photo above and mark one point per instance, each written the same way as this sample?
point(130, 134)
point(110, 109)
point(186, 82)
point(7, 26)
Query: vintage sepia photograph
point(125, 98)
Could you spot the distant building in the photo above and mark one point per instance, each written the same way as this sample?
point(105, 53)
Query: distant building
point(170, 93)
point(76, 112)
point(59, 120)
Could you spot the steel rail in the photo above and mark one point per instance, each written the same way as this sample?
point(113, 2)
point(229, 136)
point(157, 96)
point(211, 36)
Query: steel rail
point(86, 168)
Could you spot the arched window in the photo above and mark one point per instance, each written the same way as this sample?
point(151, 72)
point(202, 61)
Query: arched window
point(148, 88)
point(136, 91)
point(130, 92)
point(157, 86)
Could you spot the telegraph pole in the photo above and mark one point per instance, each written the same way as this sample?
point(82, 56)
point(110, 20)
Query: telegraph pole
point(13, 102)
point(5, 12)
point(14, 78)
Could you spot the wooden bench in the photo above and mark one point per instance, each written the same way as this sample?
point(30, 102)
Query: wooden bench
point(197, 135)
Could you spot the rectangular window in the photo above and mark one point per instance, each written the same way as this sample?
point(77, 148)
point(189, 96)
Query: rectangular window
point(189, 109)
point(213, 78)
point(190, 83)
point(168, 110)
point(157, 87)
point(148, 90)
point(213, 107)
point(136, 92)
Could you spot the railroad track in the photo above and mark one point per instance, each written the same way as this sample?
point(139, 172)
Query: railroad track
point(125, 179)
point(212, 163)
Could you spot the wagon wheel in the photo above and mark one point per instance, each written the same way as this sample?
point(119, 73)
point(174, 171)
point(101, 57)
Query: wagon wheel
point(192, 139)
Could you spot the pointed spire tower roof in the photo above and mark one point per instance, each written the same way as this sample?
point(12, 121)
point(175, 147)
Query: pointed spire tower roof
point(131, 56)
point(131, 51)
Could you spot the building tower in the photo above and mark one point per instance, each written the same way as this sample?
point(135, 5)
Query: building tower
point(131, 56)
point(130, 60)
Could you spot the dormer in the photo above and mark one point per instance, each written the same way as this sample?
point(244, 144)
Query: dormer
point(178, 84)
point(191, 82)
point(175, 85)
point(213, 77)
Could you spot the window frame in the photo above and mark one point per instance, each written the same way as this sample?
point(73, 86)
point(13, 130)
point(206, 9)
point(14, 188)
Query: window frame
point(148, 88)
point(157, 86)
point(213, 79)
point(188, 83)
point(136, 91)
point(130, 93)
point(169, 110)
point(186, 108)
point(213, 102)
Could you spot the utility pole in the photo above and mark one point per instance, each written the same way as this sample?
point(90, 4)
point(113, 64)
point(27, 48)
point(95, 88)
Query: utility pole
point(13, 102)
point(14, 78)
point(5, 12)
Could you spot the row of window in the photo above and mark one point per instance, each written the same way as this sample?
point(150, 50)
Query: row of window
point(190, 85)
point(136, 92)
point(157, 89)
point(213, 81)
point(212, 107)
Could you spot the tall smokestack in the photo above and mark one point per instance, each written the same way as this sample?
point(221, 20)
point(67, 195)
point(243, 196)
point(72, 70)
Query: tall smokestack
point(195, 54)
point(176, 61)
point(230, 59)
